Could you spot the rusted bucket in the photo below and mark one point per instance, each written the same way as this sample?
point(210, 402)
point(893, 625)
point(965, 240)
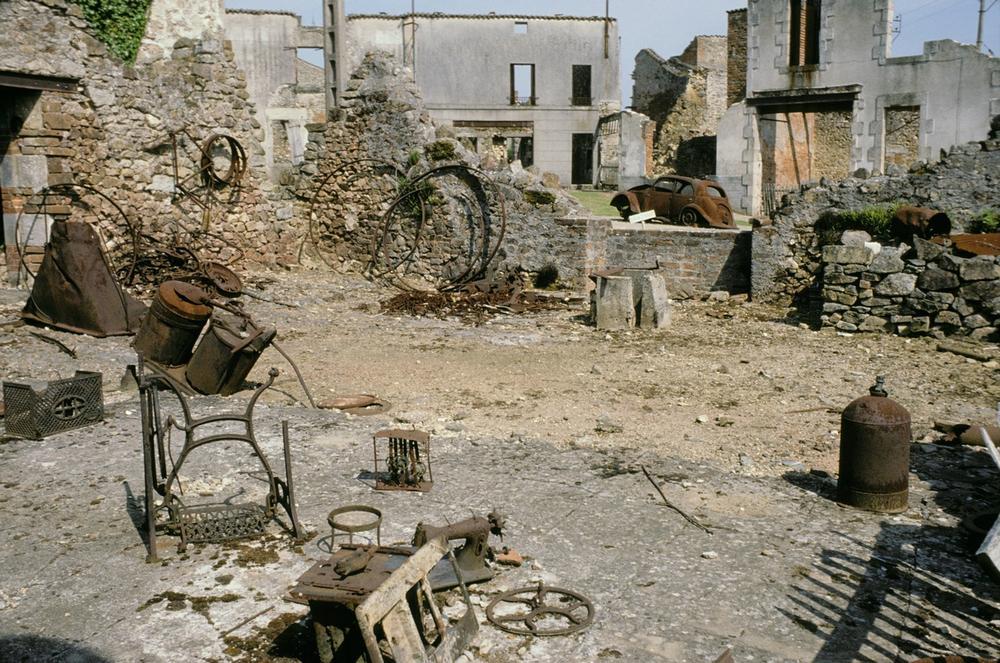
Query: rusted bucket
point(875, 453)
point(173, 323)
point(225, 356)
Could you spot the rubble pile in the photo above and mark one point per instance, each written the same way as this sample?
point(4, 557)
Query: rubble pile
point(384, 140)
point(788, 250)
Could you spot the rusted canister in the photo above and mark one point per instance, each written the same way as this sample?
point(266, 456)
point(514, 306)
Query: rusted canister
point(225, 356)
point(173, 323)
point(875, 453)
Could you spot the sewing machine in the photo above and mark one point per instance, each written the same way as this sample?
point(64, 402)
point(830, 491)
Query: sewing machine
point(471, 556)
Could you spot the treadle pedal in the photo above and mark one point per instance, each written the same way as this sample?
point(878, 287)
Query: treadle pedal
point(212, 523)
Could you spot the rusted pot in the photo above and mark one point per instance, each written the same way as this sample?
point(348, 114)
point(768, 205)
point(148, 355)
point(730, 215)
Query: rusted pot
point(875, 453)
point(174, 322)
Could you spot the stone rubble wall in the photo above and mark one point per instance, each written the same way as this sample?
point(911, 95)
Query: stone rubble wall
point(924, 290)
point(113, 132)
point(787, 250)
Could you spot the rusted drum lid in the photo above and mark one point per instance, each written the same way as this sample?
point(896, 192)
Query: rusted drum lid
point(185, 299)
point(876, 411)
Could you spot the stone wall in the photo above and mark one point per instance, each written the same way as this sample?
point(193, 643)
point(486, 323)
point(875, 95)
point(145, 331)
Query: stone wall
point(926, 290)
point(113, 129)
point(736, 57)
point(788, 249)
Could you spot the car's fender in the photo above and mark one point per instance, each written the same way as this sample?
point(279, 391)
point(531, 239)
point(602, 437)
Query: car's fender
point(628, 198)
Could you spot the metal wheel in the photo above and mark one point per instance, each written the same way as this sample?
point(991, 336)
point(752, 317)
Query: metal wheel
point(549, 611)
point(690, 217)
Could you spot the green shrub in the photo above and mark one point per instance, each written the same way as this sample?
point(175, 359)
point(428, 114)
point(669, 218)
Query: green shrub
point(441, 150)
point(539, 197)
point(876, 220)
point(119, 23)
point(987, 221)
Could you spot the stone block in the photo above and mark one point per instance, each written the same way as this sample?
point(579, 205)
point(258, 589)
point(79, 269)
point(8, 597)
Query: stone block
point(846, 326)
point(654, 309)
point(975, 321)
point(613, 303)
point(163, 183)
point(888, 261)
point(855, 238)
point(950, 262)
point(873, 323)
point(24, 171)
point(933, 278)
point(838, 297)
point(983, 333)
point(897, 284)
point(847, 255)
point(833, 307)
point(981, 291)
point(979, 269)
point(948, 318)
point(920, 325)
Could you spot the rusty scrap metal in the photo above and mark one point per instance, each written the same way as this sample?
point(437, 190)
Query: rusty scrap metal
point(407, 460)
point(977, 244)
point(544, 605)
point(875, 453)
point(35, 412)
point(910, 222)
point(474, 532)
point(75, 289)
point(201, 185)
point(209, 522)
point(56, 342)
point(173, 324)
point(228, 350)
point(338, 524)
point(473, 303)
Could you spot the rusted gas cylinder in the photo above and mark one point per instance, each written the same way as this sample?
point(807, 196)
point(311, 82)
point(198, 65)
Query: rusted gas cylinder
point(875, 453)
point(173, 323)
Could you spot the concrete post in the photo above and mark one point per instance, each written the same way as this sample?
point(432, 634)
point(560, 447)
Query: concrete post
point(613, 302)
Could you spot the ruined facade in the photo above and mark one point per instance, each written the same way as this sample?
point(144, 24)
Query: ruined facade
point(686, 96)
point(624, 149)
point(71, 112)
point(825, 98)
point(286, 91)
point(530, 88)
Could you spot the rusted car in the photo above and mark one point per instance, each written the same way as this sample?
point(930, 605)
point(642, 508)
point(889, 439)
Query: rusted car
point(675, 199)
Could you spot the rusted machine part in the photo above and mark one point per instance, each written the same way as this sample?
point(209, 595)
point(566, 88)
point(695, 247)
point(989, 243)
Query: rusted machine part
point(544, 604)
point(171, 327)
point(237, 162)
point(75, 289)
point(226, 354)
point(62, 405)
point(875, 453)
point(482, 258)
point(921, 222)
point(353, 528)
point(225, 280)
point(204, 522)
point(407, 459)
point(471, 556)
point(311, 214)
point(976, 244)
point(356, 404)
point(72, 189)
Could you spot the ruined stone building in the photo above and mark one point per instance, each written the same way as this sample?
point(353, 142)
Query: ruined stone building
point(686, 97)
point(824, 97)
point(72, 111)
point(287, 92)
point(511, 87)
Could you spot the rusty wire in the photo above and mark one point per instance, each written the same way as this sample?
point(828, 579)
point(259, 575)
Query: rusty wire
point(481, 258)
point(310, 235)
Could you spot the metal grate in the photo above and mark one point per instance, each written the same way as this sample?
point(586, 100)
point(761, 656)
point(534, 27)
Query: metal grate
point(62, 405)
point(221, 522)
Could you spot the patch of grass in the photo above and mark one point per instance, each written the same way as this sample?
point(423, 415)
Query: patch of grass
point(876, 220)
point(987, 221)
point(597, 202)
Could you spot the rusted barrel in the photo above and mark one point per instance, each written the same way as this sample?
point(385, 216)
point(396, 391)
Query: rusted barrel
point(173, 323)
point(225, 356)
point(875, 453)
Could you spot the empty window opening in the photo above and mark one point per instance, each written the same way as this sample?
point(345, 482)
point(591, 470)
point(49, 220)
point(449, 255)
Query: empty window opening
point(522, 85)
point(581, 85)
point(804, 35)
point(520, 27)
point(902, 135)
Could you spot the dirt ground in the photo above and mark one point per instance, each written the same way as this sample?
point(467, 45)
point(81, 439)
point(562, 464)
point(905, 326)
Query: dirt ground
point(734, 408)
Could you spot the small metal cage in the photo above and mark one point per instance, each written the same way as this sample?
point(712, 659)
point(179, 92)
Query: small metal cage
point(406, 460)
point(34, 413)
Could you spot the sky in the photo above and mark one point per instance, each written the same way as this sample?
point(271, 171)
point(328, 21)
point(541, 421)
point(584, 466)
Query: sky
point(667, 26)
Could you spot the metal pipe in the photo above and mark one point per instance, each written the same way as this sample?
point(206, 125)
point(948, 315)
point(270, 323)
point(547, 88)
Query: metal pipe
point(979, 31)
